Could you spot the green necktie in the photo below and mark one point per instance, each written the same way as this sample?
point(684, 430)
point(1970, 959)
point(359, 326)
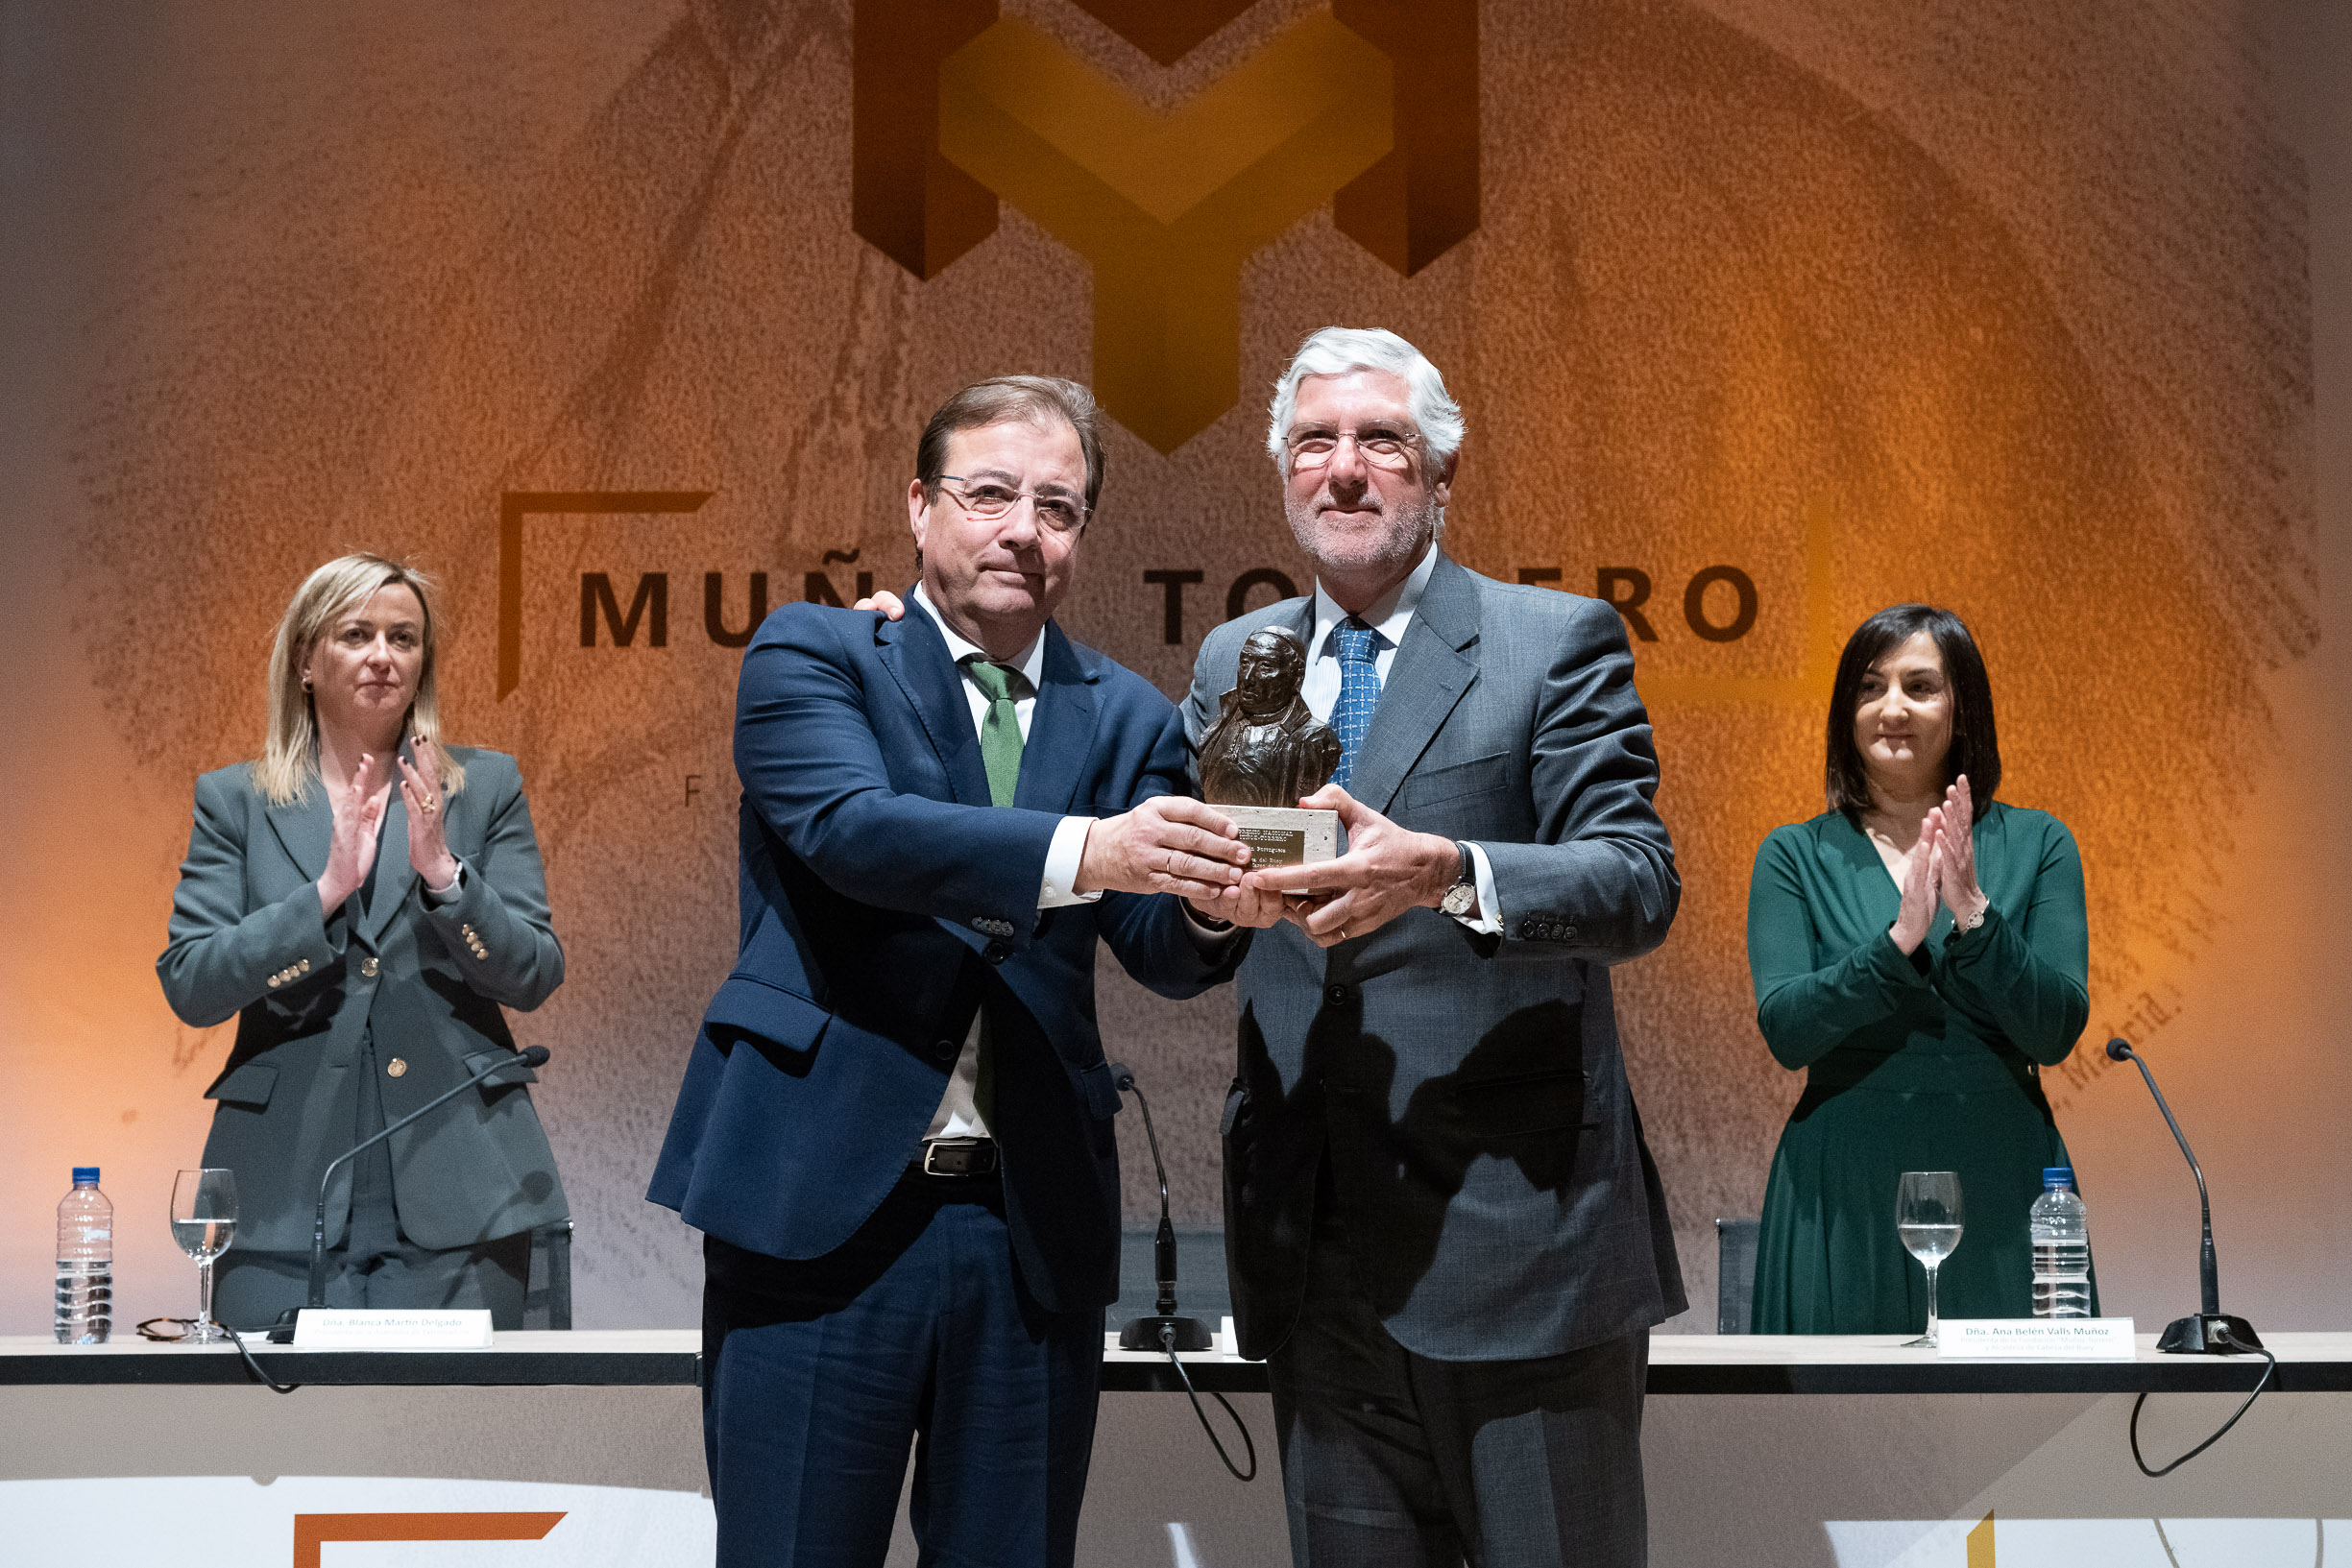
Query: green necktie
point(1000, 730)
point(1000, 752)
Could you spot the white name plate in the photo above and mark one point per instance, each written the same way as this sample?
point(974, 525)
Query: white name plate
point(2042, 1339)
point(352, 1328)
point(1284, 835)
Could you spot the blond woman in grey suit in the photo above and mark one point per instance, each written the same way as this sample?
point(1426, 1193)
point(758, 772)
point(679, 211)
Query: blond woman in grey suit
point(363, 899)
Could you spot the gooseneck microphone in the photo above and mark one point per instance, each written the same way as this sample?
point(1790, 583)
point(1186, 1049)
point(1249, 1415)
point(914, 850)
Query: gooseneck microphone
point(1147, 1333)
point(1166, 1331)
point(283, 1333)
point(2211, 1332)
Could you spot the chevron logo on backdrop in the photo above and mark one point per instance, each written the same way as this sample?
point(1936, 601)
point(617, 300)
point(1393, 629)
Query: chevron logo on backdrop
point(1372, 106)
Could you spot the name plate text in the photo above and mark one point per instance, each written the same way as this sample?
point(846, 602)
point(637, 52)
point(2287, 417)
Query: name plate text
point(353, 1328)
point(2039, 1338)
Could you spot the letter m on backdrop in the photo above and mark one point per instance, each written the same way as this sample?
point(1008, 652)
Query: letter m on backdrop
point(1373, 106)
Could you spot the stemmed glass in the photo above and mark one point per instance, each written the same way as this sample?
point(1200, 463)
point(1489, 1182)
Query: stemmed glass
point(1928, 1217)
point(203, 1221)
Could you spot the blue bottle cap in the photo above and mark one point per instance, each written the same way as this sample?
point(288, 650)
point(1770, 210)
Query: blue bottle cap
point(85, 1172)
point(2057, 1175)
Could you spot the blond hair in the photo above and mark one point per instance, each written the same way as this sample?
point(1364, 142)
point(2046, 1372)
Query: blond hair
point(289, 756)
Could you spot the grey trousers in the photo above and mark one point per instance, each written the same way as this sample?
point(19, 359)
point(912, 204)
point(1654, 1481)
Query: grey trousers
point(1391, 1459)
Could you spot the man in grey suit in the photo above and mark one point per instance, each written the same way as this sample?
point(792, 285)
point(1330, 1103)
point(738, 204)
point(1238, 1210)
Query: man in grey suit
point(1445, 1232)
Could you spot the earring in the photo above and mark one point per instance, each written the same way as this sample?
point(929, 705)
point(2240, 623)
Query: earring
point(305, 683)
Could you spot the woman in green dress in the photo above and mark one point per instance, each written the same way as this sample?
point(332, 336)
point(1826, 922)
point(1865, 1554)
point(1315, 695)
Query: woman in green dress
point(1920, 952)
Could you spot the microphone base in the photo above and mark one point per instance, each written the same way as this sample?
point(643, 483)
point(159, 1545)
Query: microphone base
point(281, 1331)
point(2216, 1334)
point(1144, 1334)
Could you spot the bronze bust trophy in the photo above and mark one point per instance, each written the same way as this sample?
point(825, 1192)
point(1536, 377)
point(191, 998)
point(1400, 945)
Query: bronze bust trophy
point(1266, 751)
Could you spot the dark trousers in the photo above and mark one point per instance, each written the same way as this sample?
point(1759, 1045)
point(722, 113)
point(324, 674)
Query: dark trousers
point(1391, 1459)
point(818, 1375)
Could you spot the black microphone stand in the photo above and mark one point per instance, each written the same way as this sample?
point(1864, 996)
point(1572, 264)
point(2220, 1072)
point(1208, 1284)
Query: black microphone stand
point(2211, 1332)
point(282, 1332)
point(1166, 1331)
point(1155, 1333)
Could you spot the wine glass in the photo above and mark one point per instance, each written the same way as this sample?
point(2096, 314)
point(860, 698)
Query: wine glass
point(203, 1220)
point(1927, 1218)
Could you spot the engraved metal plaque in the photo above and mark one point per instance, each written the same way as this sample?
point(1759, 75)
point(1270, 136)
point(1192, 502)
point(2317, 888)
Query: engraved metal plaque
point(1285, 836)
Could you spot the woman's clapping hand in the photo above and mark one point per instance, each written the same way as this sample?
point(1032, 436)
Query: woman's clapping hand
point(358, 809)
point(1918, 885)
point(1953, 824)
point(428, 844)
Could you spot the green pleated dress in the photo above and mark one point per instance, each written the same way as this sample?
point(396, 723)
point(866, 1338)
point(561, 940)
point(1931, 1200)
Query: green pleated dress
point(1926, 1062)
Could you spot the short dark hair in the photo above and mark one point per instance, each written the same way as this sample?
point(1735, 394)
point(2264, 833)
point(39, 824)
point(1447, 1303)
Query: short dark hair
point(1975, 746)
point(1037, 399)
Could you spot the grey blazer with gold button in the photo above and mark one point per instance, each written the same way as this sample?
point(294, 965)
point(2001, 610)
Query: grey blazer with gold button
point(248, 941)
point(1489, 1166)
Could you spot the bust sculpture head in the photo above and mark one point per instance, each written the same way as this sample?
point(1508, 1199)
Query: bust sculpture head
point(1266, 747)
point(1273, 664)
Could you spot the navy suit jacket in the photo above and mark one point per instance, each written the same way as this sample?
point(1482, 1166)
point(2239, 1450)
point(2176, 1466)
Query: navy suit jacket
point(884, 900)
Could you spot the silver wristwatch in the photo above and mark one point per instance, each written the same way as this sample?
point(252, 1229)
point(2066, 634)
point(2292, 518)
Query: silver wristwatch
point(1462, 898)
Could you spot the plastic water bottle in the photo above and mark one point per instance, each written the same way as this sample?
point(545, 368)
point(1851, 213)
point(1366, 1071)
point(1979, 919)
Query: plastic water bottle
point(85, 1263)
point(2061, 1231)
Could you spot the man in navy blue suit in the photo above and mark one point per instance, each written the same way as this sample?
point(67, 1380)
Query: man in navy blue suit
point(895, 1128)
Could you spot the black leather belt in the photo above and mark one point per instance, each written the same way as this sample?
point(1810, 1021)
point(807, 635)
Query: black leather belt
point(959, 1157)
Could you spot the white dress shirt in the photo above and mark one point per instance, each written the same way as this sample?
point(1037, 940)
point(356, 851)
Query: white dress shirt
point(1388, 616)
point(1069, 845)
point(958, 1113)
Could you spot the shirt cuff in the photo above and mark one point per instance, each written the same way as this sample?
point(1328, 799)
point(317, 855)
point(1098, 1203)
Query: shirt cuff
point(1489, 920)
point(436, 897)
point(1061, 861)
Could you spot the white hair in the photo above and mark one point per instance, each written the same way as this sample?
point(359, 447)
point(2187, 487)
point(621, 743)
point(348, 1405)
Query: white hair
point(1338, 350)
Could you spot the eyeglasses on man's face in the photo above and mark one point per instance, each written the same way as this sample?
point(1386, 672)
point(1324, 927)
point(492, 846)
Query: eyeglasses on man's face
point(1382, 445)
point(1056, 511)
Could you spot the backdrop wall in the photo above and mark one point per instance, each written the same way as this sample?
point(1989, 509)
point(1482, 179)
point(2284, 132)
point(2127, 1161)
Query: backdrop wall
point(1764, 313)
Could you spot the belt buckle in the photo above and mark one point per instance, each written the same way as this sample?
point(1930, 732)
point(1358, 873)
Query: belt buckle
point(976, 1156)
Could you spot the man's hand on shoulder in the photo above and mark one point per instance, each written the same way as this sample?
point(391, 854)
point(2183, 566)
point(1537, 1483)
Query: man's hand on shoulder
point(882, 601)
point(1169, 844)
point(1386, 871)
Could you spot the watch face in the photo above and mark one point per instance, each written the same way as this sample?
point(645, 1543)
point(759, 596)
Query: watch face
point(1460, 897)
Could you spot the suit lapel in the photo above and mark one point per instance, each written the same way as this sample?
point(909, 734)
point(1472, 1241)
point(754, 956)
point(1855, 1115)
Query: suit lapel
point(306, 828)
point(1425, 681)
point(915, 654)
point(394, 874)
point(1060, 729)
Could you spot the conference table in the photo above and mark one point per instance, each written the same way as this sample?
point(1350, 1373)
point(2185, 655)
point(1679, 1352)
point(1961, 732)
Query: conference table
point(1850, 1451)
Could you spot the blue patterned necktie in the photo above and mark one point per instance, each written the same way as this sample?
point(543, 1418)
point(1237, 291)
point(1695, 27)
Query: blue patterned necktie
point(1351, 716)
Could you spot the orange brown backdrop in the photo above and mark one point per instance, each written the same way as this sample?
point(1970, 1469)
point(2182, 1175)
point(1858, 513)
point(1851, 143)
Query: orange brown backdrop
point(1764, 313)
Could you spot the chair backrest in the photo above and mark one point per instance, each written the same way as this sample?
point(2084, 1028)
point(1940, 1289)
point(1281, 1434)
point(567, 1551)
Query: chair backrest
point(546, 1302)
point(1735, 1274)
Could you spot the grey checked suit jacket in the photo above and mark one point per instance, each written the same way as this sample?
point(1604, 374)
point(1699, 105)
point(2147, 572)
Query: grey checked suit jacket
point(249, 942)
point(1491, 1174)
